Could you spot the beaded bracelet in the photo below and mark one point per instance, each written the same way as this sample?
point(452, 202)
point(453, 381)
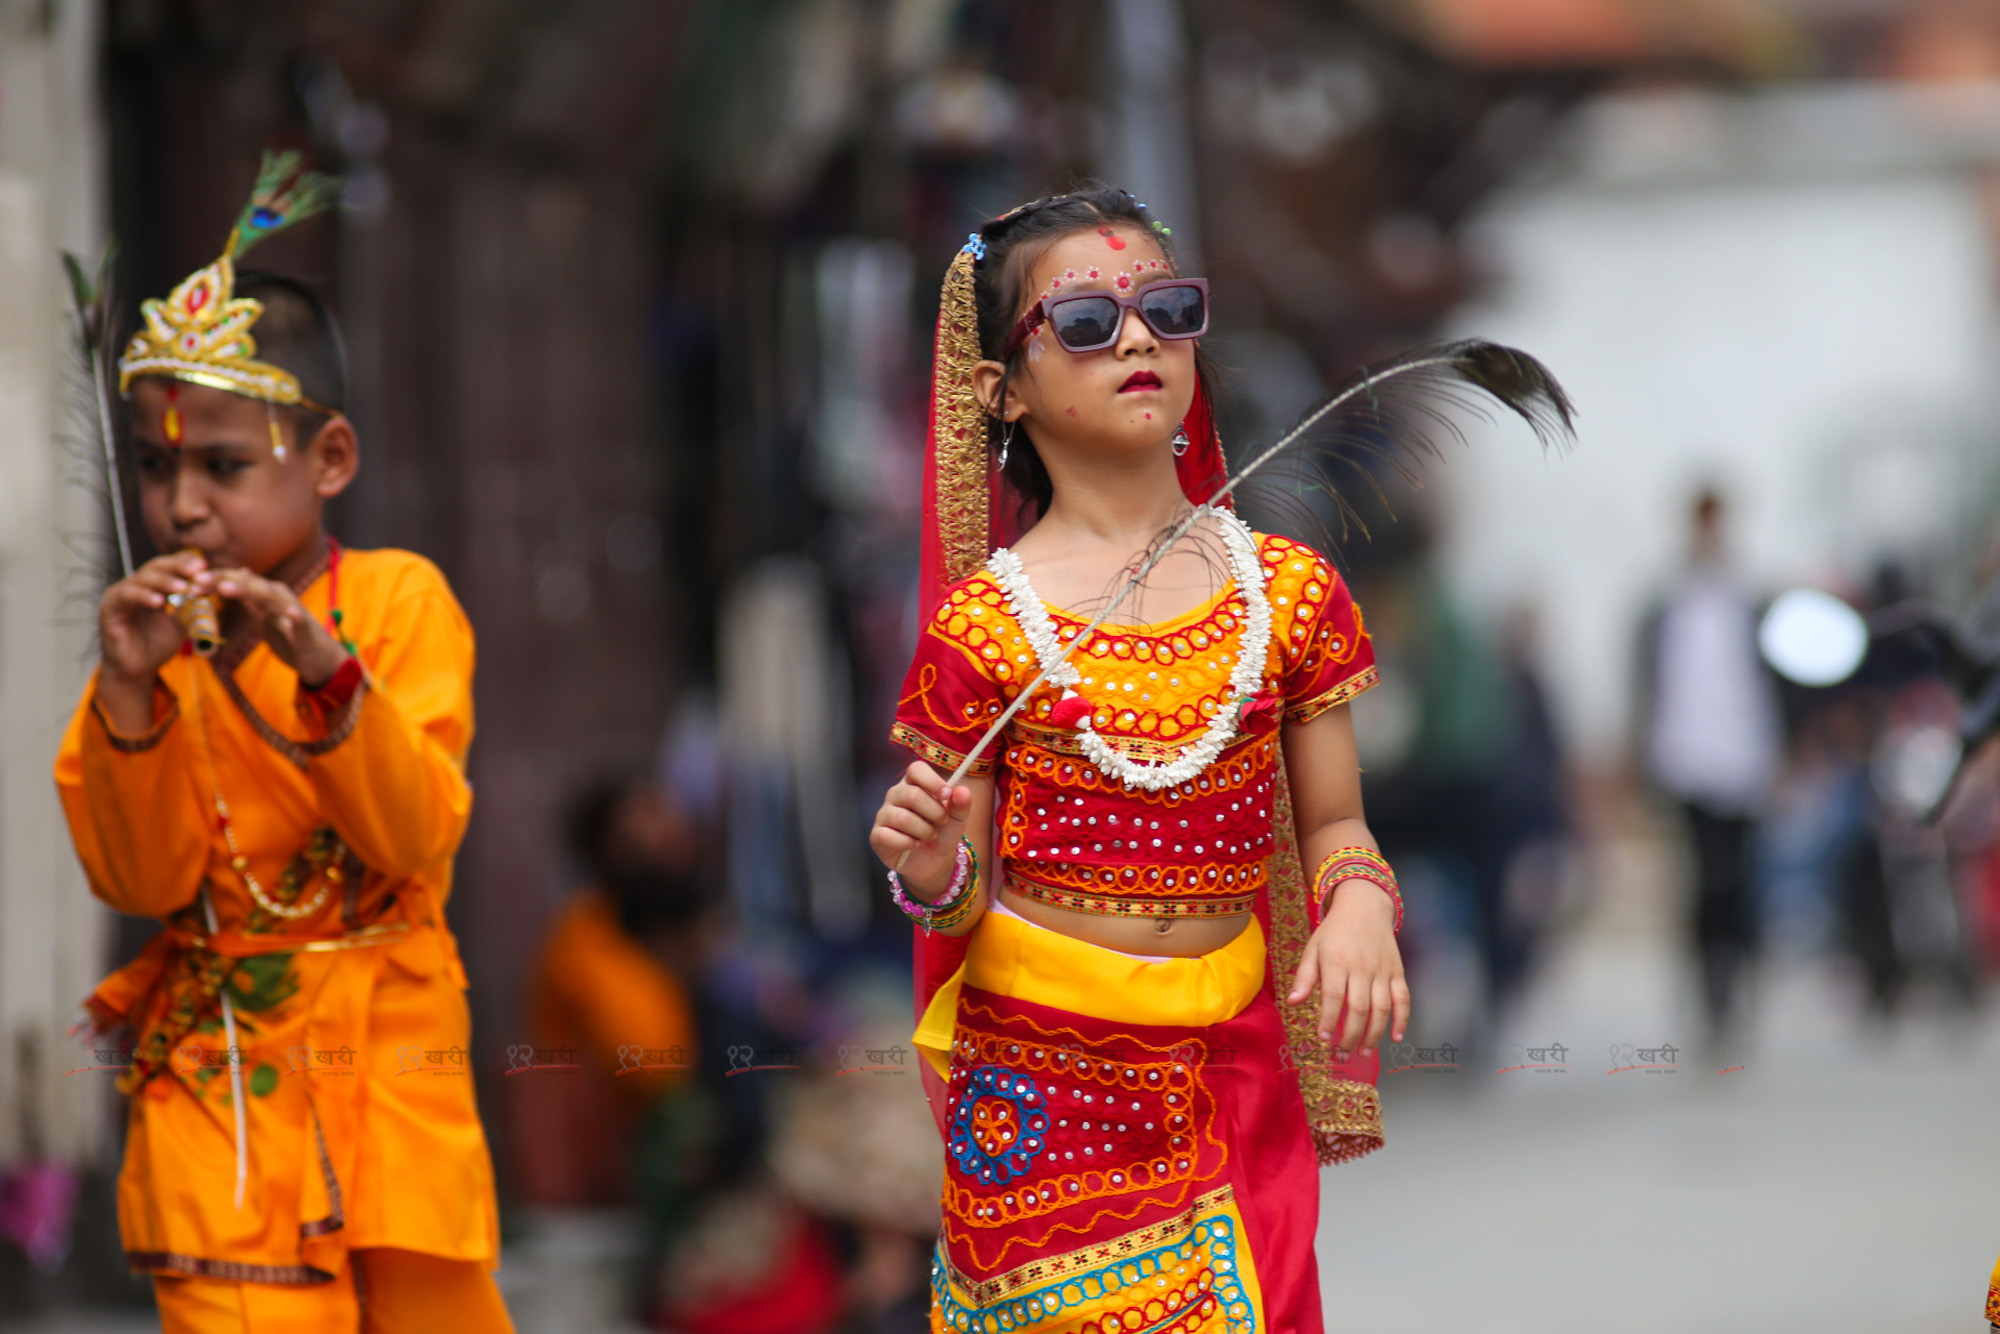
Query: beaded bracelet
point(1356, 863)
point(935, 914)
point(960, 910)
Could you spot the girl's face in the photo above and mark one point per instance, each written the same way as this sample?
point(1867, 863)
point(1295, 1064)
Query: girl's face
point(1124, 400)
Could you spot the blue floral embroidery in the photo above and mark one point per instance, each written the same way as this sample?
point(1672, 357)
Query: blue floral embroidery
point(999, 1125)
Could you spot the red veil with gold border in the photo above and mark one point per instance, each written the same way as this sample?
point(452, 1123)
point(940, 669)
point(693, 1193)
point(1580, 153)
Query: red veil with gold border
point(969, 511)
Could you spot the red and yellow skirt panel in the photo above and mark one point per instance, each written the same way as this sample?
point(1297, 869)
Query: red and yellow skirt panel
point(1126, 1151)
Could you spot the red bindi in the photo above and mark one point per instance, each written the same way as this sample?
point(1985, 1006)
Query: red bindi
point(170, 420)
point(1111, 238)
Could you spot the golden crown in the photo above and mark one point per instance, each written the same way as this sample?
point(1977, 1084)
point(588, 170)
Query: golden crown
point(201, 332)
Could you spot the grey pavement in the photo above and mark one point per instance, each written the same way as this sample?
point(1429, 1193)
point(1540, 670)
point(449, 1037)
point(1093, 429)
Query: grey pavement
point(1841, 1180)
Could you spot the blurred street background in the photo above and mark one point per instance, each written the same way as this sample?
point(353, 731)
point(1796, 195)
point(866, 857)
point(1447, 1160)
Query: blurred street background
point(638, 299)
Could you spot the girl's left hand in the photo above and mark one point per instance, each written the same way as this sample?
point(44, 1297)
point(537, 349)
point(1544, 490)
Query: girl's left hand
point(1353, 958)
point(293, 633)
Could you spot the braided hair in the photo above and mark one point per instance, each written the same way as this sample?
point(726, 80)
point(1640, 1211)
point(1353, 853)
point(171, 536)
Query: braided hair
point(1012, 243)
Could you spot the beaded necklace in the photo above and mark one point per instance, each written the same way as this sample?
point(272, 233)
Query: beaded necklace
point(324, 854)
point(1245, 678)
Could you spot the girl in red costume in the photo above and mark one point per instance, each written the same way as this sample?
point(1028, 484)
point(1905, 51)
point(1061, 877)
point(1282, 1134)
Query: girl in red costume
point(1144, 1026)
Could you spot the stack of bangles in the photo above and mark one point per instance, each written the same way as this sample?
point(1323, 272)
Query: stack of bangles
point(954, 905)
point(1355, 864)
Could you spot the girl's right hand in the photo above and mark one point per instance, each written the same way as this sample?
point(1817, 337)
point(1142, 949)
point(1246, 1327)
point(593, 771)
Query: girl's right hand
point(923, 818)
point(136, 633)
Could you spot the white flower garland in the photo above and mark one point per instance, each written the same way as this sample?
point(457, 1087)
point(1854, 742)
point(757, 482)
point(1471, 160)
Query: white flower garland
point(1245, 679)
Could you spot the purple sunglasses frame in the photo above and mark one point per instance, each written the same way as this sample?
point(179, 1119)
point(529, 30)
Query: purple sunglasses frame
point(1044, 310)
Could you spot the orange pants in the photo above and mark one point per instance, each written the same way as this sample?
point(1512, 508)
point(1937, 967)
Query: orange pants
point(400, 1292)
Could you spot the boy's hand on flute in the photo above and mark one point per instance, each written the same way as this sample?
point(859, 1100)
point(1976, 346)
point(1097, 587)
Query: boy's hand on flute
point(924, 819)
point(293, 633)
point(1354, 960)
point(137, 634)
point(136, 631)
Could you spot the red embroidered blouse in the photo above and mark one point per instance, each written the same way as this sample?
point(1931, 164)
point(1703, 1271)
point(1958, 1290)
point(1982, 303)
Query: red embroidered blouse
point(1075, 838)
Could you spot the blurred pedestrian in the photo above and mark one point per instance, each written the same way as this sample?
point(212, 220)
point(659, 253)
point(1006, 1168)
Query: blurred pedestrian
point(1527, 813)
point(608, 994)
point(1712, 743)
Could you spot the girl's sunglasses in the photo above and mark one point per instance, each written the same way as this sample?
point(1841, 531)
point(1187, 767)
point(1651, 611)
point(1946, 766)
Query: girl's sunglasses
point(1087, 321)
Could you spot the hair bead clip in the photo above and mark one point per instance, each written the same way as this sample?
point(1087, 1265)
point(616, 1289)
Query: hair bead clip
point(1162, 228)
point(976, 245)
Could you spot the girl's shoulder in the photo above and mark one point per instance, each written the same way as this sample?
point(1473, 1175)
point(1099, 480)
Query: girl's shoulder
point(972, 618)
point(970, 602)
point(1297, 572)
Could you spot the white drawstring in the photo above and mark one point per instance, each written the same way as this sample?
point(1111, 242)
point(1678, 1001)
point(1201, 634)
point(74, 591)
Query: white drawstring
point(222, 992)
point(235, 1061)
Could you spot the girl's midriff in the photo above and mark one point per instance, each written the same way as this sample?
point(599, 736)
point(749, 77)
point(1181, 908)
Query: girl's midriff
point(1183, 937)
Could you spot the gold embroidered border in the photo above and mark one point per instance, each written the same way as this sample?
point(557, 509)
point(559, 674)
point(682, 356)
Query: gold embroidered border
point(229, 1271)
point(942, 757)
point(336, 1217)
point(300, 753)
point(958, 424)
point(1071, 1263)
point(1310, 709)
point(1344, 1124)
point(146, 740)
point(1355, 1127)
point(1112, 905)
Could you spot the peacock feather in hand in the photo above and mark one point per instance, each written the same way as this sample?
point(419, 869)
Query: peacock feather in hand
point(1395, 411)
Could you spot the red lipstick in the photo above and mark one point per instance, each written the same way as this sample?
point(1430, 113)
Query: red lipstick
point(1140, 380)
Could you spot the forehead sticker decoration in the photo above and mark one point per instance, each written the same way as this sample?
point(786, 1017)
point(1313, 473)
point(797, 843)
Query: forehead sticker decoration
point(201, 333)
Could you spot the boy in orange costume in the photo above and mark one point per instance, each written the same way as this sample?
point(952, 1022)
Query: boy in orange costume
point(304, 1152)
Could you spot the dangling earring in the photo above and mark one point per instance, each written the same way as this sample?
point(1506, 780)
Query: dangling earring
point(1181, 441)
point(1006, 440)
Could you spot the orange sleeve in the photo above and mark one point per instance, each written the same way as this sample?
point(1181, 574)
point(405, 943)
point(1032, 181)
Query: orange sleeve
point(392, 781)
point(139, 825)
point(1328, 656)
point(948, 698)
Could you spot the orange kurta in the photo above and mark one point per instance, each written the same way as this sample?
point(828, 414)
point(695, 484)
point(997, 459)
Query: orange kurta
point(360, 1121)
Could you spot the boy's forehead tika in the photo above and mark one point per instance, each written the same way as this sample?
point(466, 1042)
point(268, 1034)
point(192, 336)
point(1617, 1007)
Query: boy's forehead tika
point(201, 333)
point(170, 417)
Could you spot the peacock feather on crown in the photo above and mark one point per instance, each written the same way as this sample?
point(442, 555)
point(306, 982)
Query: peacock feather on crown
point(201, 332)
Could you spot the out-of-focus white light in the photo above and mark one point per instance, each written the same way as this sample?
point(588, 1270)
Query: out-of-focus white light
point(1812, 638)
point(1913, 766)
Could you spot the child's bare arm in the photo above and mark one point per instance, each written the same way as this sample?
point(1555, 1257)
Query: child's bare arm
point(920, 824)
point(1352, 957)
